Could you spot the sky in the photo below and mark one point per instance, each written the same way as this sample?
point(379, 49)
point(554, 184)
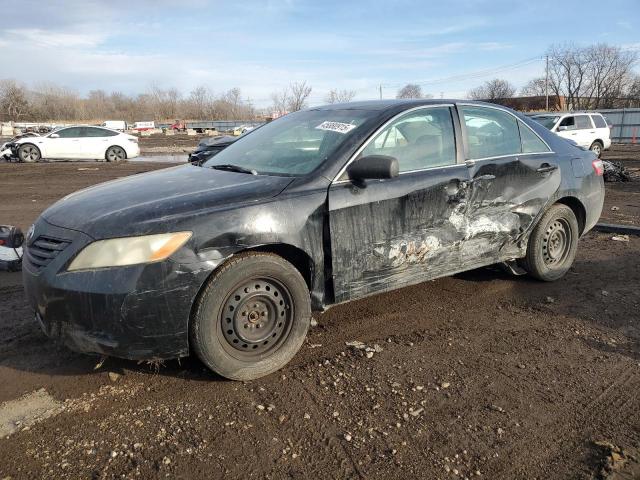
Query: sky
point(260, 47)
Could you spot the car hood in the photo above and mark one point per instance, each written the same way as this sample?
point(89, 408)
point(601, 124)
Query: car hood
point(141, 204)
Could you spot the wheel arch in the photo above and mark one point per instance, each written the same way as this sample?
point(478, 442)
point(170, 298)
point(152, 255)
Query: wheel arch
point(578, 209)
point(297, 257)
point(20, 145)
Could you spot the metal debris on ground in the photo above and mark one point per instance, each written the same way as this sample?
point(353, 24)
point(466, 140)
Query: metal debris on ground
point(620, 238)
point(615, 172)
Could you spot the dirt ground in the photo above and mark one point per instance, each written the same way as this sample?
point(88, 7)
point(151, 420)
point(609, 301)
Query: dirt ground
point(480, 375)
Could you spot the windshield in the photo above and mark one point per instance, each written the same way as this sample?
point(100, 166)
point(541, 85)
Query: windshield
point(547, 121)
point(292, 145)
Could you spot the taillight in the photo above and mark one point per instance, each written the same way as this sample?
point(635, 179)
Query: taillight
point(134, 140)
point(598, 167)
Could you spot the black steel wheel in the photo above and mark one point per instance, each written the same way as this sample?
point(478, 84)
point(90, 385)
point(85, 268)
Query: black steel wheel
point(257, 317)
point(251, 317)
point(556, 242)
point(28, 152)
point(115, 154)
point(553, 244)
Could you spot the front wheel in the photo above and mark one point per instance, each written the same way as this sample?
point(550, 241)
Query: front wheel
point(553, 244)
point(29, 153)
point(115, 154)
point(252, 316)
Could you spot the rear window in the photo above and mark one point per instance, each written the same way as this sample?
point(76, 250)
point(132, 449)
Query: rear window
point(599, 121)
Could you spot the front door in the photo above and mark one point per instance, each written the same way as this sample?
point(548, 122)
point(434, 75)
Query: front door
point(66, 144)
point(400, 231)
point(514, 174)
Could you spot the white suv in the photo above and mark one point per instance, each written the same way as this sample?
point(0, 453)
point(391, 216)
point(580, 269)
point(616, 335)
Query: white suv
point(587, 130)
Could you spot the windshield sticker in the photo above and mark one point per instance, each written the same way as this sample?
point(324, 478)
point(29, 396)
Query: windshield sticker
point(336, 127)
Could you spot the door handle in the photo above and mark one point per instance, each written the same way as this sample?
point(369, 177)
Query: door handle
point(546, 168)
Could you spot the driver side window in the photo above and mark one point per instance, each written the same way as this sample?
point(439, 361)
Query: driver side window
point(73, 132)
point(420, 139)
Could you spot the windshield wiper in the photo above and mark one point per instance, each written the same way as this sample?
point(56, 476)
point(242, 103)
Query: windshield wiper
point(234, 168)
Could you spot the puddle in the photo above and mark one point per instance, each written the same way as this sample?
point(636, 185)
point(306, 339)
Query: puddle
point(162, 158)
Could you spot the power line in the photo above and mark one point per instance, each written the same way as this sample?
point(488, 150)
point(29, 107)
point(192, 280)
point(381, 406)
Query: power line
point(472, 75)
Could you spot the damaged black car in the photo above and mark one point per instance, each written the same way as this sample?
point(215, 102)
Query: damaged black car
point(228, 259)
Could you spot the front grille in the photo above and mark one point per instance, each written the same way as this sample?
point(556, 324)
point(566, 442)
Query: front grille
point(43, 250)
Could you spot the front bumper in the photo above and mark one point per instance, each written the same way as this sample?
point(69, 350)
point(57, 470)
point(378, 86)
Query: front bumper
point(138, 312)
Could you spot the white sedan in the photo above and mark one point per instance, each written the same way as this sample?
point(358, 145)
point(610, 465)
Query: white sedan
point(78, 143)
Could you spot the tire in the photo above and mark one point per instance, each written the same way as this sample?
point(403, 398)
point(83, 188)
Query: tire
point(553, 244)
point(251, 317)
point(28, 152)
point(115, 154)
point(596, 147)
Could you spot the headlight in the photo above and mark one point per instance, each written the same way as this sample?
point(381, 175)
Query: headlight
point(118, 252)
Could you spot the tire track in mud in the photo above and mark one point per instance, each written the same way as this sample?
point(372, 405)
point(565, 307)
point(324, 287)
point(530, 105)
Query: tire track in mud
point(618, 399)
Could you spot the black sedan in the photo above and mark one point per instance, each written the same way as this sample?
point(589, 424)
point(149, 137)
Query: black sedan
point(228, 259)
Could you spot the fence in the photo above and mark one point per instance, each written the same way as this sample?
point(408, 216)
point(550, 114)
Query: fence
point(625, 124)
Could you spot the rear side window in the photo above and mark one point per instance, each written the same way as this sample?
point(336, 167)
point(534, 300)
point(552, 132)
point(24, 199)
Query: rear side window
point(420, 139)
point(599, 121)
point(531, 143)
point(97, 132)
point(491, 132)
point(583, 122)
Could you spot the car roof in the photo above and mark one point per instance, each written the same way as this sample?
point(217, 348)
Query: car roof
point(557, 114)
point(381, 105)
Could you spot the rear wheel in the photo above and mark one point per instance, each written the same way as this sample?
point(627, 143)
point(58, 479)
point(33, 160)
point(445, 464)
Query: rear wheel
point(553, 244)
point(596, 147)
point(252, 317)
point(29, 153)
point(115, 154)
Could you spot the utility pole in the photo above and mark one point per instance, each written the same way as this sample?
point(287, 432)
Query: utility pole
point(546, 82)
point(380, 91)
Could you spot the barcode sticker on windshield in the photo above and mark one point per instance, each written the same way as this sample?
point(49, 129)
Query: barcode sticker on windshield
point(336, 127)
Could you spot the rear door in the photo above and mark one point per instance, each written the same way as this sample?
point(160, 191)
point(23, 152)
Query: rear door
point(95, 142)
point(586, 130)
point(394, 232)
point(514, 174)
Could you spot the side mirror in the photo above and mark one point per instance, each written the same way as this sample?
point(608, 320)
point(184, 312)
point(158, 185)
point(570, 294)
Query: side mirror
point(374, 167)
point(54, 135)
point(562, 128)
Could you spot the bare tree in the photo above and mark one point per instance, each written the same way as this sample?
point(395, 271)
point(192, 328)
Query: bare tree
point(590, 77)
point(298, 94)
point(535, 88)
point(492, 90)
point(633, 92)
point(280, 102)
point(410, 90)
point(339, 96)
point(13, 100)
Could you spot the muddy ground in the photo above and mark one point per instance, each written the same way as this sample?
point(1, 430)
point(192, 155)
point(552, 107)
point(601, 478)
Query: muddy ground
point(477, 375)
